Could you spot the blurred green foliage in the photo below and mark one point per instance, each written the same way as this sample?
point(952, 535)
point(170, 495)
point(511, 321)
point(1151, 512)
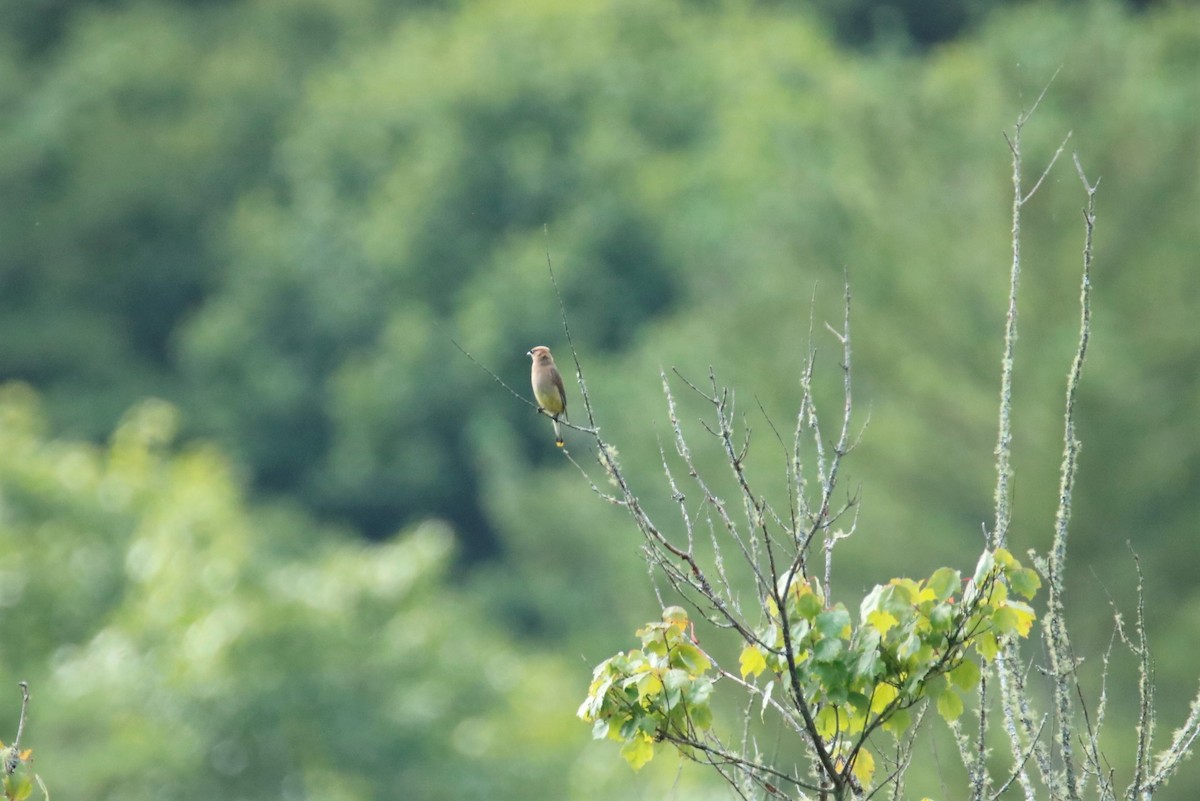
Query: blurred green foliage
point(181, 643)
point(275, 214)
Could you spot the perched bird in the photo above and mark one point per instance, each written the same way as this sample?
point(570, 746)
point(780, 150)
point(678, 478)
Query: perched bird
point(548, 387)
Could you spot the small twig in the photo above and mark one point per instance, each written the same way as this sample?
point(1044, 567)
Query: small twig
point(24, 708)
point(495, 377)
point(562, 313)
point(1024, 118)
point(12, 754)
point(614, 500)
point(753, 768)
point(1046, 171)
point(1020, 769)
point(1145, 728)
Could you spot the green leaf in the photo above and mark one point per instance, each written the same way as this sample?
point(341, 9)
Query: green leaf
point(869, 664)
point(827, 650)
point(941, 618)
point(807, 605)
point(654, 647)
point(871, 603)
point(987, 646)
point(701, 716)
point(945, 582)
point(908, 647)
point(834, 622)
point(834, 678)
point(949, 705)
point(899, 599)
point(898, 722)
point(906, 588)
point(965, 676)
point(18, 786)
point(600, 729)
point(970, 592)
point(1025, 581)
point(676, 679)
point(799, 631)
point(999, 595)
point(691, 658)
point(699, 691)
point(1013, 618)
point(984, 567)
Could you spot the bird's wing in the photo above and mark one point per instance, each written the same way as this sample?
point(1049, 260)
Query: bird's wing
point(562, 391)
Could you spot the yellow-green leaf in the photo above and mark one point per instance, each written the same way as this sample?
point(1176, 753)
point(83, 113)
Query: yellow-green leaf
point(676, 616)
point(864, 767)
point(907, 588)
point(834, 622)
point(882, 621)
point(1025, 616)
point(827, 721)
point(701, 716)
point(999, 595)
point(692, 658)
point(884, 694)
point(649, 685)
point(1014, 616)
point(965, 676)
point(987, 646)
point(752, 662)
point(1025, 581)
point(854, 720)
point(638, 751)
point(18, 786)
point(944, 582)
point(897, 722)
point(807, 605)
point(949, 705)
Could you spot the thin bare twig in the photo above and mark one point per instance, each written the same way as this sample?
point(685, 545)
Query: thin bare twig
point(24, 685)
point(495, 377)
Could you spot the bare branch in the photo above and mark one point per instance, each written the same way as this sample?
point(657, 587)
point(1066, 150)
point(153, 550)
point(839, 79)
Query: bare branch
point(1046, 171)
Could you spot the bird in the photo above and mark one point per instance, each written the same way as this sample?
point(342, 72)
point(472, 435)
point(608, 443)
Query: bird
point(548, 387)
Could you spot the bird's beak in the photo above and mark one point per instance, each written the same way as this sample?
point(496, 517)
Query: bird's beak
point(529, 353)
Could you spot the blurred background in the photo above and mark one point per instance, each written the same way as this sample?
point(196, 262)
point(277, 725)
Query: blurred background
point(266, 533)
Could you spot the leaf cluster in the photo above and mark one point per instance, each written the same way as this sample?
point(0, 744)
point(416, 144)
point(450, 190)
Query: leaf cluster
point(915, 640)
point(655, 692)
